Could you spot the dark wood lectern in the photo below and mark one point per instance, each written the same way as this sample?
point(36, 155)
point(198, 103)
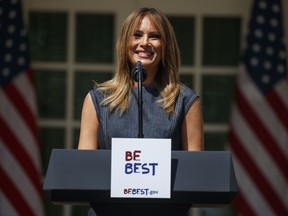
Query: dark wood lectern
point(197, 179)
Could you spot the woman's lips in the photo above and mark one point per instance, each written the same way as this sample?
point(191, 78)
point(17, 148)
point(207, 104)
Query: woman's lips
point(144, 54)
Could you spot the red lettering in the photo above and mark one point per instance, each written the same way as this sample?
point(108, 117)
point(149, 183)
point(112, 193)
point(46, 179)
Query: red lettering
point(137, 154)
point(132, 155)
point(128, 156)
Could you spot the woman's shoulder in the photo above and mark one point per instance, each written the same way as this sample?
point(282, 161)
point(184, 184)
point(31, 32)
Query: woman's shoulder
point(96, 91)
point(187, 96)
point(97, 94)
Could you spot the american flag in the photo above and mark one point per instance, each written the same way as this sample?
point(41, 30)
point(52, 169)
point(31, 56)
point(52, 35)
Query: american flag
point(20, 187)
point(259, 125)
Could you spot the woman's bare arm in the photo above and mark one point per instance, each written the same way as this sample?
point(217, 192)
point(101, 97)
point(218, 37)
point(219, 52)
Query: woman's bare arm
point(192, 128)
point(89, 125)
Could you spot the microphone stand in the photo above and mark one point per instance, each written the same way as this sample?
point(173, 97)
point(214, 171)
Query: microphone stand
point(139, 75)
point(140, 103)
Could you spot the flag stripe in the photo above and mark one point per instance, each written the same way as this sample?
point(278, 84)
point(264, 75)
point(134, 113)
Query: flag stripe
point(244, 206)
point(5, 205)
point(20, 130)
point(262, 133)
point(26, 116)
point(257, 176)
point(263, 160)
point(279, 107)
point(17, 149)
point(22, 108)
point(249, 190)
point(14, 196)
point(29, 192)
point(279, 89)
point(262, 108)
point(25, 88)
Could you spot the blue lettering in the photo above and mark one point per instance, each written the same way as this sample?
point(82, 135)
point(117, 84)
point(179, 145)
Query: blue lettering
point(136, 167)
point(145, 169)
point(128, 168)
point(141, 168)
point(153, 167)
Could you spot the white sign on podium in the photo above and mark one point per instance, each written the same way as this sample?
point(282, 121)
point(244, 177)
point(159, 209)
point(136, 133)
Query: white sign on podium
point(140, 168)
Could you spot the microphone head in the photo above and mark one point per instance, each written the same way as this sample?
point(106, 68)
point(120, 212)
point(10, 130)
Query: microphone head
point(139, 64)
point(135, 72)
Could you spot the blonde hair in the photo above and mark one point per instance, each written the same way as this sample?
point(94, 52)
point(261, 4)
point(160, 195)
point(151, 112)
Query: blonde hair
point(117, 90)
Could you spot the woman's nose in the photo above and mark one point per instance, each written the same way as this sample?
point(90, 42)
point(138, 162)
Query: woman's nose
point(144, 41)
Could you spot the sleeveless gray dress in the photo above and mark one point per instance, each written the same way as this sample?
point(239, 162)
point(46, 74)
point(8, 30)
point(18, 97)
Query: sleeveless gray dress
point(156, 123)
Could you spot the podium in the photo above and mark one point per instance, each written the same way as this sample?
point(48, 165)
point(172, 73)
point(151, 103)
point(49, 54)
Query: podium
point(198, 179)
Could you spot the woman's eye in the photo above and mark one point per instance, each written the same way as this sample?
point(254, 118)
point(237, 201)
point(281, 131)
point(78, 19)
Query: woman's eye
point(137, 35)
point(155, 36)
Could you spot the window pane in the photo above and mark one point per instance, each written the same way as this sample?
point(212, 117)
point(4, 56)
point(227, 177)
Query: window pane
point(187, 79)
point(184, 28)
point(52, 209)
point(94, 38)
point(76, 133)
point(225, 211)
point(84, 81)
point(51, 93)
point(51, 138)
point(217, 96)
point(48, 36)
point(221, 42)
point(215, 141)
point(80, 210)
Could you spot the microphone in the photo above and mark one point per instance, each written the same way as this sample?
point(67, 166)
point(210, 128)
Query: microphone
point(139, 75)
point(135, 72)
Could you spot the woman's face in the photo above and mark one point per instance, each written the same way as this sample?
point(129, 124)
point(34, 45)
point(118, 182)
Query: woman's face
point(145, 46)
